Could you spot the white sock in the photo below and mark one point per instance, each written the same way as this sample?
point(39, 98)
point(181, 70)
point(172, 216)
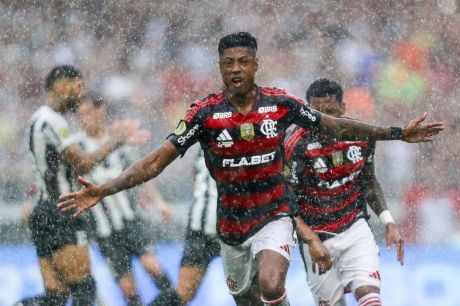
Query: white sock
point(282, 301)
point(370, 299)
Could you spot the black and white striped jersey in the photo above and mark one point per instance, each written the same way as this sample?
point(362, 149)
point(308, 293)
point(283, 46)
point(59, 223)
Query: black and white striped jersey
point(116, 209)
point(49, 135)
point(203, 210)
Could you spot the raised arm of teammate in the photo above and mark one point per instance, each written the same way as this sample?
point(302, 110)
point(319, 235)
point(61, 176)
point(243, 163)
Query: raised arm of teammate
point(123, 132)
point(414, 131)
point(142, 171)
point(375, 198)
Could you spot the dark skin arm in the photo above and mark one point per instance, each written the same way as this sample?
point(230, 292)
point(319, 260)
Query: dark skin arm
point(83, 162)
point(142, 171)
point(319, 253)
point(348, 129)
point(375, 198)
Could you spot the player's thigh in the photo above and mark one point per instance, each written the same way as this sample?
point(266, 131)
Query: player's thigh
point(240, 266)
point(359, 263)
point(72, 262)
point(272, 247)
point(52, 281)
point(326, 288)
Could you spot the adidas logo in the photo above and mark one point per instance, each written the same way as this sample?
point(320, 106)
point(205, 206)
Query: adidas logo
point(320, 166)
point(224, 140)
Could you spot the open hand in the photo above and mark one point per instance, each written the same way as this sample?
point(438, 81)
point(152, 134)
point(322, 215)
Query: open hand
point(80, 200)
point(415, 131)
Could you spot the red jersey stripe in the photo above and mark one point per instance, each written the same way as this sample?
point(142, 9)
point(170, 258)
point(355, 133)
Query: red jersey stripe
point(238, 119)
point(329, 149)
point(293, 140)
point(332, 227)
point(244, 147)
point(242, 228)
point(212, 100)
point(252, 200)
point(328, 192)
point(341, 171)
point(315, 210)
point(247, 174)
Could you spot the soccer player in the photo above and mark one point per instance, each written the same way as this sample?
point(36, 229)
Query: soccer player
point(201, 245)
point(59, 238)
point(333, 182)
point(241, 131)
point(116, 223)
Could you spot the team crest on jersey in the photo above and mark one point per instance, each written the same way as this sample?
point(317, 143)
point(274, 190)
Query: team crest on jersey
point(181, 128)
point(337, 158)
point(354, 154)
point(247, 131)
point(268, 128)
point(231, 284)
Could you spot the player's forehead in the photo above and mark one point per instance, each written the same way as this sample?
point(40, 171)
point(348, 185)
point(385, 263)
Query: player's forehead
point(237, 52)
point(327, 100)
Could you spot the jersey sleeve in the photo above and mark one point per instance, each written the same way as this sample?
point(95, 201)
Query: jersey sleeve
point(301, 114)
point(188, 130)
point(371, 158)
point(57, 133)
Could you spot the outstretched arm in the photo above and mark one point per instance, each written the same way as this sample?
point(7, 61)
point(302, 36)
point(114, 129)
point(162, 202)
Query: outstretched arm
point(415, 131)
point(142, 171)
point(374, 196)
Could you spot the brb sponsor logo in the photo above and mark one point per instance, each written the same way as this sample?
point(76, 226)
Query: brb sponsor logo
point(187, 136)
point(222, 115)
point(268, 109)
point(248, 161)
point(304, 112)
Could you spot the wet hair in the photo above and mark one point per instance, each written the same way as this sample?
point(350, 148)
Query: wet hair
point(324, 88)
point(238, 39)
point(59, 72)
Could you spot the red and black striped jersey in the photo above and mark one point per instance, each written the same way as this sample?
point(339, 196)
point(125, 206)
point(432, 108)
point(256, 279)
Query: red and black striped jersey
point(326, 179)
point(245, 156)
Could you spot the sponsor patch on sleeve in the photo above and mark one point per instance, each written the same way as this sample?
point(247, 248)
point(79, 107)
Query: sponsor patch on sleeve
point(64, 133)
point(181, 128)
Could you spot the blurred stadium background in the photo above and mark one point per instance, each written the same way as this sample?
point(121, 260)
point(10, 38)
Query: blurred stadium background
point(151, 59)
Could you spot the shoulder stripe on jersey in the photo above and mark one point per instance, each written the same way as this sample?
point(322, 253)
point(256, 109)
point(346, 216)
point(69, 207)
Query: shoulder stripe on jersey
point(293, 140)
point(211, 100)
point(271, 92)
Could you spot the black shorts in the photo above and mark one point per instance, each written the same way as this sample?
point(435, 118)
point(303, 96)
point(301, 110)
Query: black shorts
point(199, 249)
point(52, 229)
point(119, 248)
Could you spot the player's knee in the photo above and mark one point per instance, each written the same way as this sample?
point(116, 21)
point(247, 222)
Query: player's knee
point(364, 290)
point(272, 289)
point(127, 284)
point(281, 300)
point(370, 299)
point(83, 292)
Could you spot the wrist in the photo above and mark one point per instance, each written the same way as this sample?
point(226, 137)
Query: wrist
point(396, 133)
point(386, 217)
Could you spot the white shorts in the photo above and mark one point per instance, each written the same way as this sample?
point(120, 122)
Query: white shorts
point(355, 263)
point(239, 261)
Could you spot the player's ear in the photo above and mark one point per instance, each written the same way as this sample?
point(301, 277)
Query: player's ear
point(256, 63)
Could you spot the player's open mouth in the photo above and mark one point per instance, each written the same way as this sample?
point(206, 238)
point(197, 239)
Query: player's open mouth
point(237, 81)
